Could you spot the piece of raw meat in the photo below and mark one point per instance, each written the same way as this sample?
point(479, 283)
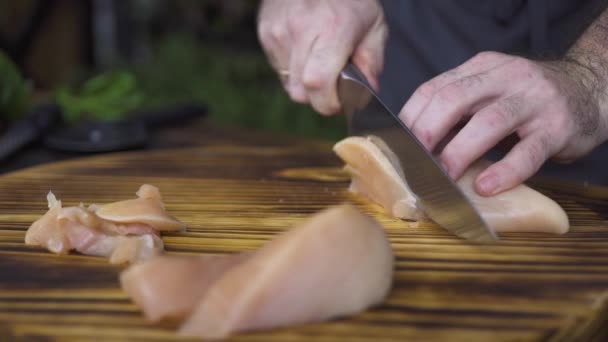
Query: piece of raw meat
point(521, 209)
point(171, 286)
point(376, 174)
point(377, 177)
point(148, 209)
point(337, 263)
point(121, 240)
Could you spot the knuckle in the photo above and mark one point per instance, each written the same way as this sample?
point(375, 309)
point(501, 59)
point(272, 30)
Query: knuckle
point(406, 118)
point(527, 69)
point(483, 57)
point(316, 79)
point(552, 90)
point(498, 117)
point(263, 30)
point(297, 96)
point(426, 90)
point(522, 64)
point(561, 125)
point(470, 81)
point(277, 33)
point(364, 56)
point(450, 93)
point(264, 34)
point(325, 105)
point(502, 114)
point(295, 25)
point(330, 109)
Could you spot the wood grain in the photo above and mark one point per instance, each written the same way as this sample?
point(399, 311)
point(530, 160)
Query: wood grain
point(235, 196)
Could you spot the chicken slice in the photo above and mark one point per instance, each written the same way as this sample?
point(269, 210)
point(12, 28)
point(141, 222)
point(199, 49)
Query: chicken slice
point(170, 286)
point(339, 262)
point(80, 228)
point(148, 208)
point(376, 175)
point(46, 232)
point(521, 209)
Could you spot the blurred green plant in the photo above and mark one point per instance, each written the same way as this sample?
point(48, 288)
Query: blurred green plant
point(238, 85)
point(107, 96)
point(14, 90)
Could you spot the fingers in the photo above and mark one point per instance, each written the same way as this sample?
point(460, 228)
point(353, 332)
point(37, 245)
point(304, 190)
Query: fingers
point(297, 62)
point(311, 41)
point(313, 63)
point(485, 129)
point(450, 104)
point(425, 93)
point(274, 49)
point(323, 65)
point(273, 36)
point(503, 95)
point(519, 164)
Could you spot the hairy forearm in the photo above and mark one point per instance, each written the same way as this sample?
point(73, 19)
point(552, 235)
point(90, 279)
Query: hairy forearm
point(589, 57)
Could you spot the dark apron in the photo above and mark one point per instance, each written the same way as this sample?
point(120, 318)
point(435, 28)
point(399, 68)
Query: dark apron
point(428, 37)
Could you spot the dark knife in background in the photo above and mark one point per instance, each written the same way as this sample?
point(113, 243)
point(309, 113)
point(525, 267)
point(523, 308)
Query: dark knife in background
point(43, 123)
point(132, 132)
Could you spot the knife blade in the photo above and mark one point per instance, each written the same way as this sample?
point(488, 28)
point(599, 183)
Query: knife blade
point(441, 199)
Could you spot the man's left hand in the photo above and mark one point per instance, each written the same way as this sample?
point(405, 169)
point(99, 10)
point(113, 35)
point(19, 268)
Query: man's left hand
point(552, 106)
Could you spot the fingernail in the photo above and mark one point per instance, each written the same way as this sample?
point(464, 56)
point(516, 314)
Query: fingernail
point(488, 184)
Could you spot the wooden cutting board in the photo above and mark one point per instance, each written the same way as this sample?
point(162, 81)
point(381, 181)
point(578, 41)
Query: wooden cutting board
point(236, 196)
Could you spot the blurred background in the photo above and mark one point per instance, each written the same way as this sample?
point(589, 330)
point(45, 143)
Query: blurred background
point(102, 60)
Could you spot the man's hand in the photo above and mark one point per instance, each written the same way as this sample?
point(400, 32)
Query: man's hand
point(553, 107)
point(310, 41)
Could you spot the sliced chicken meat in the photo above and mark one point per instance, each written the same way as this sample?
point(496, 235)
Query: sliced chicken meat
point(80, 228)
point(377, 176)
point(337, 263)
point(170, 286)
point(148, 209)
point(521, 209)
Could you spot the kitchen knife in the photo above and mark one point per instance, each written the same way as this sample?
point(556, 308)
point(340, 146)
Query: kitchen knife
point(440, 197)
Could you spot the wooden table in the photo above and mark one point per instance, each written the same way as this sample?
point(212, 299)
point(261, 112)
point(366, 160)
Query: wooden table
point(235, 193)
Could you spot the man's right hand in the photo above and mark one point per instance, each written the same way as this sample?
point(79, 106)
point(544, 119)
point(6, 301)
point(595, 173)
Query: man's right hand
point(310, 41)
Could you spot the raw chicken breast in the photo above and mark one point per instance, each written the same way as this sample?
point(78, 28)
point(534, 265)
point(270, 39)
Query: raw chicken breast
point(148, 208)
point(520, 209)
point(170, 286)
point(337, 263)
point(80, 228)
point(376, 175)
